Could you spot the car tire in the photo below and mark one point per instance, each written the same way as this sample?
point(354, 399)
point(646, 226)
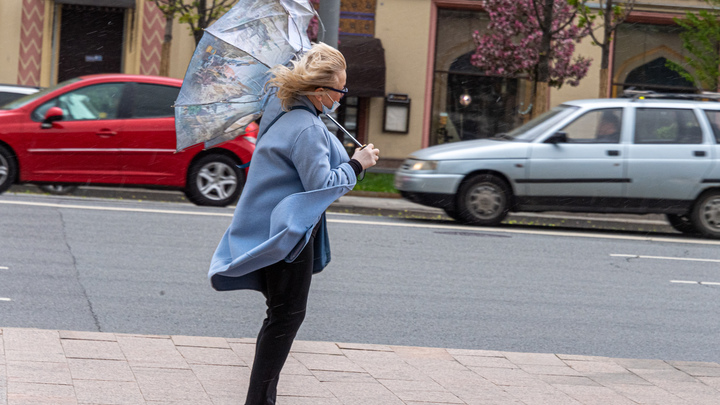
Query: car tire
point(452, 213)
point(483, 200)
point(681, 223)
point(214, 180)
point(58, 189)
point(706, 214)
point(8, 169)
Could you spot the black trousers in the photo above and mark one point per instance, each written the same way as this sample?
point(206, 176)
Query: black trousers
point(285, 287)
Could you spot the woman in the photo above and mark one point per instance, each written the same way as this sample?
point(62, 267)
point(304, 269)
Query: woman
point(278, 237)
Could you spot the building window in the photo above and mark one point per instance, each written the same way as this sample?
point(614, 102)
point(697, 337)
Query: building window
point(352, 115)
point(466, 103)
point(348, 117)
point(641, 52)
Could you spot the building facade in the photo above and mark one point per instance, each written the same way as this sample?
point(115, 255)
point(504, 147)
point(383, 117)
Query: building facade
point(411, 81)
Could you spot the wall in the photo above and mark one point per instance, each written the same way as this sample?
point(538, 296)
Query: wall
point(11, 12)
point(588, 87)
point(403, 27)
point(182, 49)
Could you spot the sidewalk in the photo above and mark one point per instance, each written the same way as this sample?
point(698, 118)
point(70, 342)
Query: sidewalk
point(62, 367)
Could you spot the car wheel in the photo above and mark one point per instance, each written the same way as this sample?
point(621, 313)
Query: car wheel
point(706, 214)
point(8, 169)
point(58, 189)
point(483, 200)
point(681, 223)
point(214, 180)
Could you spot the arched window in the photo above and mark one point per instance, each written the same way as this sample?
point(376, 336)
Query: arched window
point(655, 75)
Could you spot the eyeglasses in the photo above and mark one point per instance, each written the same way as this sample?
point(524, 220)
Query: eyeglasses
point(343, 91)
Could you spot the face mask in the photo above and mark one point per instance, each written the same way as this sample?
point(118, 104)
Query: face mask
point(328, 111)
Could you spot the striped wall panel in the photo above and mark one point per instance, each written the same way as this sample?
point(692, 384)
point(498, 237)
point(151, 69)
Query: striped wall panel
point(153, 32)
point(31, 37)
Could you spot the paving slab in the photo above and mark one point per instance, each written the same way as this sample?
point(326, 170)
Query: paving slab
point(46, 367)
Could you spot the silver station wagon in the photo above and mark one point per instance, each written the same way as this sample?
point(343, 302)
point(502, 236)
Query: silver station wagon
point(629, 155)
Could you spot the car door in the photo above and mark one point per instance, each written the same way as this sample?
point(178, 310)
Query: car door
point(147, 154)
point(669, 155)
point(82, 146)
point(712, 177)
point(588, 166)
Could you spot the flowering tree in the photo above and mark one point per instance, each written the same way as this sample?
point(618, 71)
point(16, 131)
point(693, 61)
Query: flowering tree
point(534, 38)
point(612, 15)
point(314, 26)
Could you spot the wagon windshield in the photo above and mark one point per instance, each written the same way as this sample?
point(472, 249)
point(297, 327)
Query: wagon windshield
point(537, 126)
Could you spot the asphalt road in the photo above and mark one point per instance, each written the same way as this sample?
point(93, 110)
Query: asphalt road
point(140, 267)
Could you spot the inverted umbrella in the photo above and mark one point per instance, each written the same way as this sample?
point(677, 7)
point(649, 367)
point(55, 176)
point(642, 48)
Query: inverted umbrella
point(223, 88)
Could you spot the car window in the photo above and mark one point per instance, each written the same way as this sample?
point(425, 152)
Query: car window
point(153, 100)
point(596, 126)
point(714, 118)
point(96, 102)
point(667, 125)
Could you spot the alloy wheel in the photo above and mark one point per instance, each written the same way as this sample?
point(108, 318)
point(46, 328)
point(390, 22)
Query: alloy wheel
point(710, 214)
point(4, 169)
point(486, 201)
point(217, 181)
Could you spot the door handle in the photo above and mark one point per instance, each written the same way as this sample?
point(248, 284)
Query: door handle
point(699, 153)
point(613, 153)
point(105, 133)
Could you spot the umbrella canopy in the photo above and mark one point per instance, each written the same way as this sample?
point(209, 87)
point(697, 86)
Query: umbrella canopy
point(223, 89)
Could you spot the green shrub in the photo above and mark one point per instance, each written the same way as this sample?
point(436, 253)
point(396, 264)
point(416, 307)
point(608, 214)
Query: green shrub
point(378, 182)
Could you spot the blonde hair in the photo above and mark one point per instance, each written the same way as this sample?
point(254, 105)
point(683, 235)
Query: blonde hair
point(318, 67)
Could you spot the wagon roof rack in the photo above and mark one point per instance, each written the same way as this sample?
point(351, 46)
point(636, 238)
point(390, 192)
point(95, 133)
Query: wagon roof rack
point(646, 94)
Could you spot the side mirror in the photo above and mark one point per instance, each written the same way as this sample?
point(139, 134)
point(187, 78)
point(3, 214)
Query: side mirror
point(557, 137)
point(52, 115)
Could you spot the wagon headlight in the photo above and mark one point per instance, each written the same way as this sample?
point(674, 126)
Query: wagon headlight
point(422, 164)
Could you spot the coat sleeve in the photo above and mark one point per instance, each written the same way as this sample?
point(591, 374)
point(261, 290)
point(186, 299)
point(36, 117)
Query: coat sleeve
point(311, 157)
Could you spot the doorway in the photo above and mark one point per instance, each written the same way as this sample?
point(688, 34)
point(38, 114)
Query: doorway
point(91, 40)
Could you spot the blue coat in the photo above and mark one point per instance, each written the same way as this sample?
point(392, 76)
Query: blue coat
point(297, 170)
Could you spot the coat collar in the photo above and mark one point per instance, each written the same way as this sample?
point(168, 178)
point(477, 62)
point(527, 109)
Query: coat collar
point(305, 101)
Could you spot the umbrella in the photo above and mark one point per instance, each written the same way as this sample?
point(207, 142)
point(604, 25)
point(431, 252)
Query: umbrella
point(223, 88)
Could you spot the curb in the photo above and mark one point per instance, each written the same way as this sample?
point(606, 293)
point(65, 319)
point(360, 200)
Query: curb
point(391, 205)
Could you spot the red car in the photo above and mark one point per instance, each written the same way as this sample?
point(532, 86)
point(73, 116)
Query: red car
point(115, 129)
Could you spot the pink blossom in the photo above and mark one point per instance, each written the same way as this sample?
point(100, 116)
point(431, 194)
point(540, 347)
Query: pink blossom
point(510, 46)
point(314, 26)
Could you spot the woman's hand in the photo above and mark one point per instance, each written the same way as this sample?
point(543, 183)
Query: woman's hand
point(368, 156)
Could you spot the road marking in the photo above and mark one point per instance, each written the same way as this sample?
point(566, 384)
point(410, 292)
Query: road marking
point(145, 210)
point(534, 232)
point(395, 224)
point(688, 259)
point(4, 268)
point(5, 299)
point(695, 282)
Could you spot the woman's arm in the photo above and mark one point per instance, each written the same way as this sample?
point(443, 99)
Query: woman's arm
point(311, 157)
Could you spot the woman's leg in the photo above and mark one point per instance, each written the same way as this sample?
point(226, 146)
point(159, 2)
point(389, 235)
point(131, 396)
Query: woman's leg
point(286, 291)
